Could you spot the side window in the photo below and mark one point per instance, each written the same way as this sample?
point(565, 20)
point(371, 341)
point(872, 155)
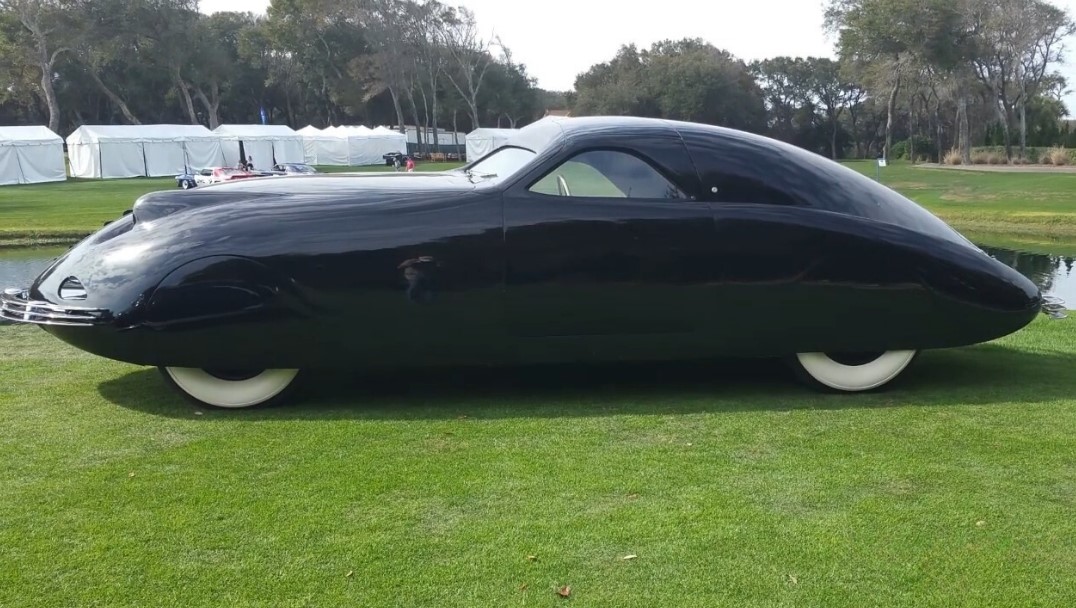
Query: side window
point(732, 189)
point(607, 174)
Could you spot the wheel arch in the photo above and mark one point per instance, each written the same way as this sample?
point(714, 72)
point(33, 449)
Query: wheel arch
point(221, 288)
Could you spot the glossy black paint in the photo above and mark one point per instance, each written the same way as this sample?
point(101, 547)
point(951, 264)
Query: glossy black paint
point(414, 269)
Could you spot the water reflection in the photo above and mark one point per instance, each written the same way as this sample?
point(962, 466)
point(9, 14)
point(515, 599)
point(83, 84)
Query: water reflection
point(1052, 273)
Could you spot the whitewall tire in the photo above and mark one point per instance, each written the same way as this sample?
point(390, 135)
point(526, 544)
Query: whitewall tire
point(231, 390)
point(852, 374)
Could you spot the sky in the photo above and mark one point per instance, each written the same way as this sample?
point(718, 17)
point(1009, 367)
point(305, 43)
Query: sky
point(558, 39)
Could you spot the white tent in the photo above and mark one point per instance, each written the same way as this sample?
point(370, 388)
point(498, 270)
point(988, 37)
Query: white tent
point(376, 144)
point(444, 138)
point(266, 144)
point(111, 151)
point(481, 142)
point(30, 155)
point(322, 147)
point(366, 146)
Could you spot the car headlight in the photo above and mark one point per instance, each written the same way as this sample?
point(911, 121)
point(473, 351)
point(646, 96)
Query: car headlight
point(72, 289)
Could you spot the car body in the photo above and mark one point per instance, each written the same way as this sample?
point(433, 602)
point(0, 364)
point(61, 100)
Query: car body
point(582, 239)
point(216, 175)
point(392, 158)
point(186, 181)
point(293, 169)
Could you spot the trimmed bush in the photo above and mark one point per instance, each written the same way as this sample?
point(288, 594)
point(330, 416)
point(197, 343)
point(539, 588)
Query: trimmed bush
point(1058, 156)
point(952, 157)
point(1034, 156)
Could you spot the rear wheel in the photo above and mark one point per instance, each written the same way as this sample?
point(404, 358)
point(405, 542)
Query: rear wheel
point(852, 372)
point(231, 389)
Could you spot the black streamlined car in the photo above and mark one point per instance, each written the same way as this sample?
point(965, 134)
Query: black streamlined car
point(581, 239)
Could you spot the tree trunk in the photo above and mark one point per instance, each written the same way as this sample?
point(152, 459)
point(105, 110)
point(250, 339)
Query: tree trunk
point(1005, 115)
point(833, 140)
point(913, 128)
point(436, 135)
point(890, 107)
point(131, 118)
point(964, 132)
point(185, 95)
point(473, 104)
point(1023, 126)
point(455, 135)
point(211, 108)
point(853, 115)
point(399, 110)
point(938, 143)
point(419, 139)
point(50, 97)
point(288, 106)
point(426, 115)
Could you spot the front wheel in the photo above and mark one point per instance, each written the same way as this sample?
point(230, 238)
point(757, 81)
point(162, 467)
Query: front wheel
point(231, 389)
point(852, 372)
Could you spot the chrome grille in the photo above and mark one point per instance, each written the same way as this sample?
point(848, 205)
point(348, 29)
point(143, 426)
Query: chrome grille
point(16, 306)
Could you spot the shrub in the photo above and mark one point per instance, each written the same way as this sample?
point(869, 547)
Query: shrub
point(979, 158)
point(1058, 156)
point(995, 159)
point(952, 157)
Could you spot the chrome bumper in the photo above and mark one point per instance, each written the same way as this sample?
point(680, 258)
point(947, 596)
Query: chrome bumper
point(16, 306)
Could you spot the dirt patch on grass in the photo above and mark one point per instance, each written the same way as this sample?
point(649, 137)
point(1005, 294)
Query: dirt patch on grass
point(1003, 168)
point(909, 186)
point(968, 196)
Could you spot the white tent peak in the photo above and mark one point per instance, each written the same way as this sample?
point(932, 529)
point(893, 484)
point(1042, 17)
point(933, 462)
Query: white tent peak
point(252, 131)
point(14, 136)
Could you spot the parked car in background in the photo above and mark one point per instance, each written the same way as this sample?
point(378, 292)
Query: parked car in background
point(186, 180)
point(216, 175)
point(293, 169)
point(393, 157)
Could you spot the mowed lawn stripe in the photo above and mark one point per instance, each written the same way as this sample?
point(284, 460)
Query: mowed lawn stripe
point(732, 485)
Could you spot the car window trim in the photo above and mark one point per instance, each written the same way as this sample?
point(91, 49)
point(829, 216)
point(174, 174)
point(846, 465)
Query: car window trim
point(687, 198)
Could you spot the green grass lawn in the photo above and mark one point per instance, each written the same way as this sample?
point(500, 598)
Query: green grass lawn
point(66, 211)
point(1031, 211)
point(1034, 209)
point(733, 486)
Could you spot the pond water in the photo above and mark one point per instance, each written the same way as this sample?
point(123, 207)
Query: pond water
point(1054, 274)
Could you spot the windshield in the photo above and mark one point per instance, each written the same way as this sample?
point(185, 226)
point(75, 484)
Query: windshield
point(501, 163)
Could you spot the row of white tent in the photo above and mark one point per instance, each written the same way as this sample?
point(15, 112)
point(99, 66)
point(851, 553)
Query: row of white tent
point(118, 151)
point(35, 154)
point(349, 146)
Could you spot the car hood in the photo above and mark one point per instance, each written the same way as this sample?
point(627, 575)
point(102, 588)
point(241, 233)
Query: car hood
point(345, 188)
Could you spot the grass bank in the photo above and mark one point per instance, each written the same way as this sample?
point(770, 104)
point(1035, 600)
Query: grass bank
point(64, 212)
point(730, 486)
point(1035, 208)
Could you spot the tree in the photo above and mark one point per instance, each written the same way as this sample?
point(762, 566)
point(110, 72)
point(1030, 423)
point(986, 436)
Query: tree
point(884, 37)
point(685, 80)
point(1016, 43)
point(470, 58)
point(49, 32)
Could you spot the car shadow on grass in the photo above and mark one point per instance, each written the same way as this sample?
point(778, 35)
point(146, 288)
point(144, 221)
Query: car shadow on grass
point(980, 375)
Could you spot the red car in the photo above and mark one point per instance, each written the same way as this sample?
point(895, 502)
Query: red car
point(214, 175)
